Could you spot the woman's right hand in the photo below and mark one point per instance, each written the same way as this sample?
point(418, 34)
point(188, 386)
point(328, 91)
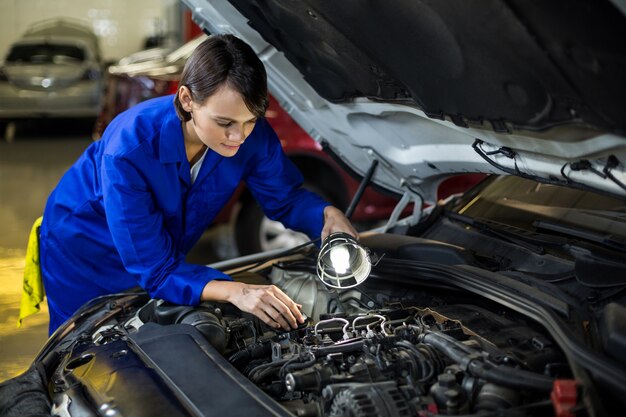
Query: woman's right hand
point(268, 302)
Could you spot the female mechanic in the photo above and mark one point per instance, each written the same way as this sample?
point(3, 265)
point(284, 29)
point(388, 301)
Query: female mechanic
point(136, 201)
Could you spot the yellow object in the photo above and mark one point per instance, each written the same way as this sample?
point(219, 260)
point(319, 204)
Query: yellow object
point(32, 287)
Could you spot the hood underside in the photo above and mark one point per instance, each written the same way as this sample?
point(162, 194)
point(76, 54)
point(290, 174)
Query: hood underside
point(429, 89)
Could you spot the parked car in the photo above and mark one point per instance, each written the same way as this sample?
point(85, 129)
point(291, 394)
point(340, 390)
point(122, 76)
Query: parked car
point(155, 72)
point(509, 300)
point(53, 70)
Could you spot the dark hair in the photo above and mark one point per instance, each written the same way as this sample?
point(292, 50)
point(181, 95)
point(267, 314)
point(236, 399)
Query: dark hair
point(225, 59)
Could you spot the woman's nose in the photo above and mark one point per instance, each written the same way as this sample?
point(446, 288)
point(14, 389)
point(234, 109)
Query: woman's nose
point(236, 134)
point(239, 133)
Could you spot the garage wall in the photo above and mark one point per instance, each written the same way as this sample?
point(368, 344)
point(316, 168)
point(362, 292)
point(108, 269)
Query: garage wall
point(122, 25)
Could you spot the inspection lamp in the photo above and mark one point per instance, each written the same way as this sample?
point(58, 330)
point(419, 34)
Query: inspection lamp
point(342, 262)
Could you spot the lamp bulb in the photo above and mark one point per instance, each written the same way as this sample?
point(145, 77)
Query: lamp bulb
point(340, 258)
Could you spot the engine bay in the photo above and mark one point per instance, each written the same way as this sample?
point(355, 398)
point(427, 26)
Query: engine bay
point(393, 361)
point(391, 351)
point(416, 338)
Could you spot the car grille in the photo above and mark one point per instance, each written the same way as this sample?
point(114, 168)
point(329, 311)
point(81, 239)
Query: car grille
point(43, 83)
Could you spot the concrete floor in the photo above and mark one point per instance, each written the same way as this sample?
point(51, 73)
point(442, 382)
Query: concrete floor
point(30, 167)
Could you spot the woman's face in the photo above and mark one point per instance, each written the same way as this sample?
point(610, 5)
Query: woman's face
point(222, 122)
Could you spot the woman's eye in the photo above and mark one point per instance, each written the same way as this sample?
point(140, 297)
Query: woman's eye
point(225, 124)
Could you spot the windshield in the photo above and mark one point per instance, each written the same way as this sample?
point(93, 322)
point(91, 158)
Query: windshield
point(46, 53)
point(521, 202)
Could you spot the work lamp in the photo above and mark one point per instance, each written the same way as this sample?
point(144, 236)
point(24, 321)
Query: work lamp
point(342, 262)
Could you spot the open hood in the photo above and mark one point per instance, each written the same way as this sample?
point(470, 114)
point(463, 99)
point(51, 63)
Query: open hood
point(430, 89)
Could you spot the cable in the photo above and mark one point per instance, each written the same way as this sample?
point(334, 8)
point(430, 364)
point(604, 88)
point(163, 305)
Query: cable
point(506, 152)
point(611, 163)
point(516, 171)
point(278, 255)
point(582, 165)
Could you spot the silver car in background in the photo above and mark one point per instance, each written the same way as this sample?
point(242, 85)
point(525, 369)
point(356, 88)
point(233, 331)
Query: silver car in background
point(53, 70)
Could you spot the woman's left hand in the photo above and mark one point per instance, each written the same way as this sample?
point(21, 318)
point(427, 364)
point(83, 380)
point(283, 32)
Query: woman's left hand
point(336, 221)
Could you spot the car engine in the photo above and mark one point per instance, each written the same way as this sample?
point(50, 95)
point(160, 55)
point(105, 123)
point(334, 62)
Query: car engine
point(396, 358)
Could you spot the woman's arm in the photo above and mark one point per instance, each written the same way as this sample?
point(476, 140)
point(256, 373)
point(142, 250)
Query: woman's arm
point(268, 302)
point(276, 183)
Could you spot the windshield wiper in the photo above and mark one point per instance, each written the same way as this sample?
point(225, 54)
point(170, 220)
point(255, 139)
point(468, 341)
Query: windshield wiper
point(607, 240)
point(527, 239)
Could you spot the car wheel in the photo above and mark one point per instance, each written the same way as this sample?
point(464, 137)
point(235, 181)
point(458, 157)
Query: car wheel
point(254, 232)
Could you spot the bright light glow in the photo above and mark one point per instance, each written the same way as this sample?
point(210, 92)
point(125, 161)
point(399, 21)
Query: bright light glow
point(340, 258)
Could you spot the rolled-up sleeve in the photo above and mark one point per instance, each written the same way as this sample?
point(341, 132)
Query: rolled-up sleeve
point(276, 184)
point(146, 248)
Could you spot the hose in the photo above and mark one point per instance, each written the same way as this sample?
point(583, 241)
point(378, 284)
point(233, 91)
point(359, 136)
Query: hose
point(426, 367)
point(501, 375)
point(293, 364)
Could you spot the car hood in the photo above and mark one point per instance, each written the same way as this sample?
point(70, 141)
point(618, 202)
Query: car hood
point(432, 89)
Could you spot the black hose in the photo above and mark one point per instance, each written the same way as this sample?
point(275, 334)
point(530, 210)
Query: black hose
point(241, 355)
point(293, 364)
point(250, 353)
point(260, 368)
point(261, 375)
point(426, 368)
point(501, 375)
point(359, 192)
point(456, 343)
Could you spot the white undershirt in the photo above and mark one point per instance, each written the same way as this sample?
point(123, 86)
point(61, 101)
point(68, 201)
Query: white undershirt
point(196, 167)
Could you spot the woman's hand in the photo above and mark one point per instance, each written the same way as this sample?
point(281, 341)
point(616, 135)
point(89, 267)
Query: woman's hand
point(267, 302)
point(336, 221)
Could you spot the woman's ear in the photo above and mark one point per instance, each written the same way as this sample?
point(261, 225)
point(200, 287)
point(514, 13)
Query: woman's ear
point(185, 98)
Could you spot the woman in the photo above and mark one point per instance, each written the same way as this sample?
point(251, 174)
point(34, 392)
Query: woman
point(127, 212)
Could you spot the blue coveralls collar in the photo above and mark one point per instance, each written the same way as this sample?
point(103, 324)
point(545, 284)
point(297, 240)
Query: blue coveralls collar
point(171, 140)
point(172, 146)
point(172, 150)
